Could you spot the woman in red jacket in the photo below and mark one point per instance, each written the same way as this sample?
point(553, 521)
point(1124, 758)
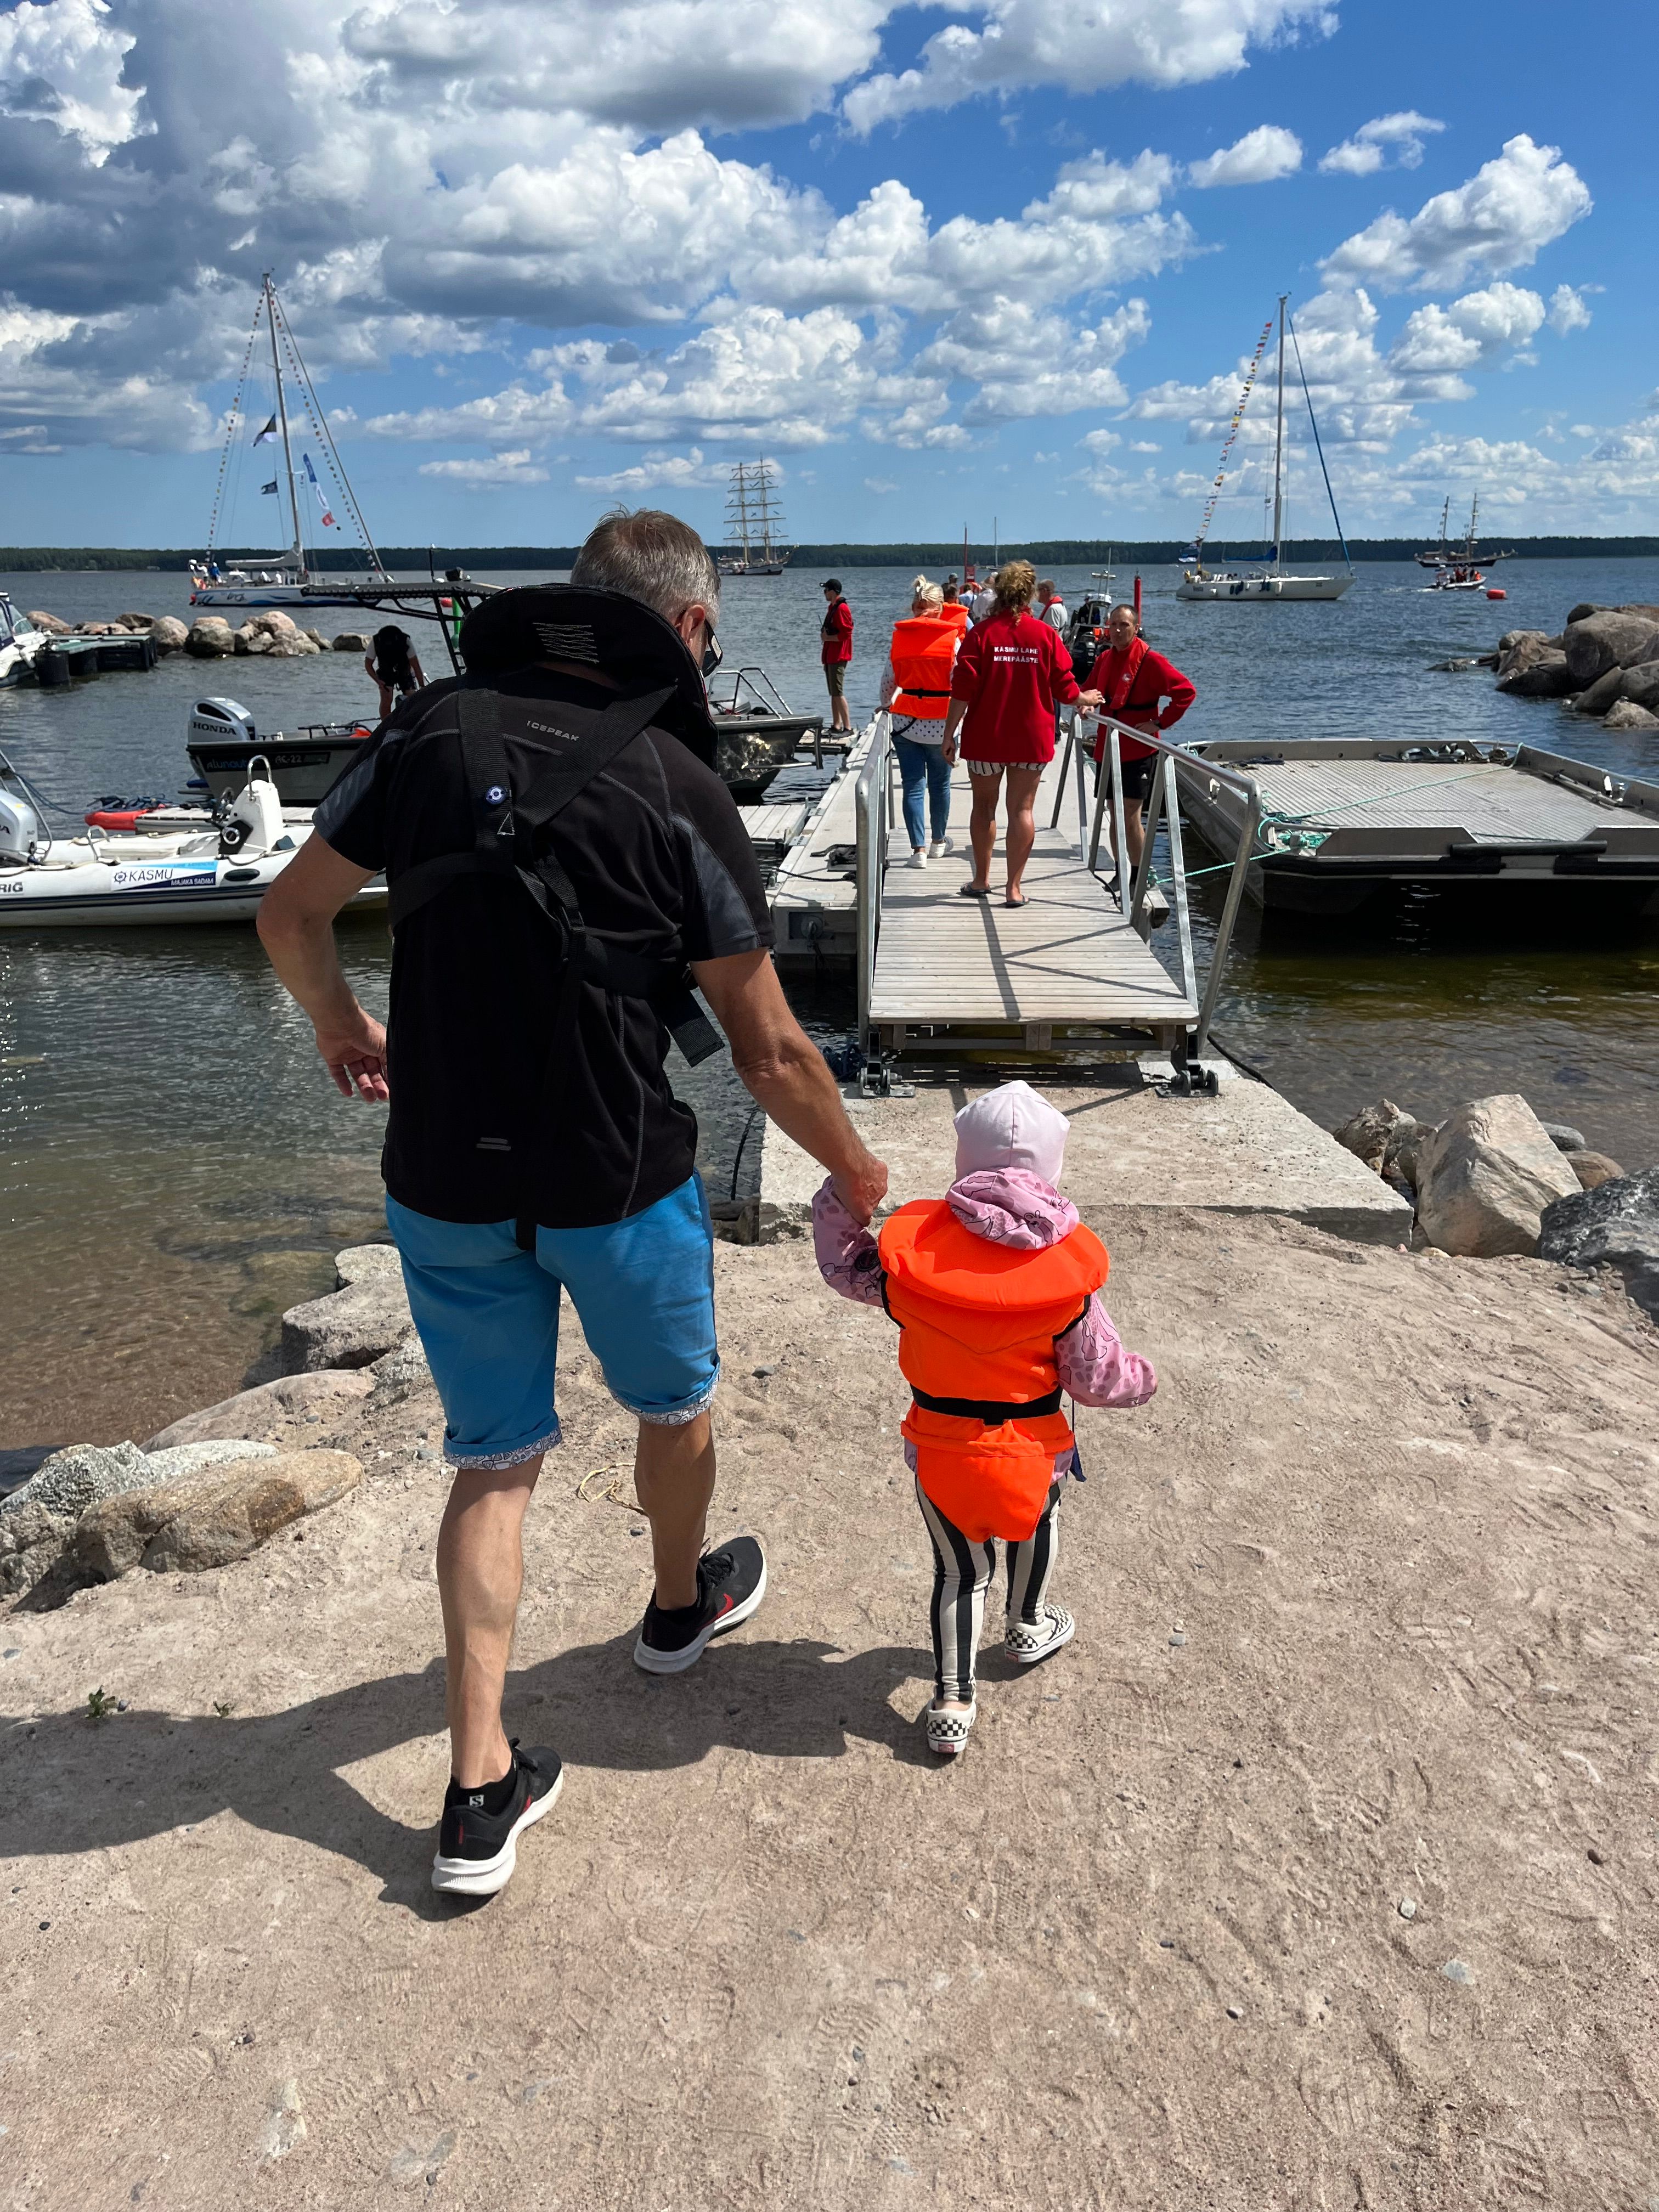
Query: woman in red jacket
point(1132, 679)
point(1011, 674)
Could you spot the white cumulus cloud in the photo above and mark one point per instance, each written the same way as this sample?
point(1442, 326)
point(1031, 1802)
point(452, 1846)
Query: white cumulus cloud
point(62, 64)
point(510, 468)
point(1260, 157)
point(1469, 332)
point(1089, 47)
point(664, 472)
point(1392, 142)
point(1500, 220)
point(1567, 310)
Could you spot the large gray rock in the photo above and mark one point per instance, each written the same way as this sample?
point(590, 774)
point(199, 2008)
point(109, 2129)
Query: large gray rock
point(1593, 1169)
point(53, 625)
point(248, 640)
point(136, 621)
point(1600, 695)
point(1563, 1135)
point(367, 1263)
point(350, 1329)
point(1585, 608)
point(1609, 640)
point(182, 1528)
point(169, 635)
point(38, 1521)
point(179, 1462)
point(256, 1412)
point(292, 648)
point(399, 1374)
point(210, 638)
point(1639, 685)
point(1627, 716)
point(1533, 669)
point(71, 1479)
point(354, 640)
point(1485, 1177)
point(1614, 1225)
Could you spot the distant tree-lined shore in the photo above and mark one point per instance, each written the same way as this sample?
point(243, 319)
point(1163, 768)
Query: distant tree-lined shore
point(1054, 552)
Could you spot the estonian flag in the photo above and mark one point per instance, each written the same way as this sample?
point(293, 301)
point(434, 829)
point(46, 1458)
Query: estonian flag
point(269, 431)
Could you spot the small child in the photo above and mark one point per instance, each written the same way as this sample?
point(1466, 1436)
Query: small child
point(993, 1288)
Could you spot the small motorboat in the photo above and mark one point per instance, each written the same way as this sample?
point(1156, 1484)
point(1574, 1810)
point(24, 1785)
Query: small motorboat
point(215, 873)
point(20, 644)
point(222, 744)
point(757, 734)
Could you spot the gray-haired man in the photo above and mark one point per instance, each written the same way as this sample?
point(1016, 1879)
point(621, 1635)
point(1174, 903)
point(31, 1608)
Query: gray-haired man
point(562, 862)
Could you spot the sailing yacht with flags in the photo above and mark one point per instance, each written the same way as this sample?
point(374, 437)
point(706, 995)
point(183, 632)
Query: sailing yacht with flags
point(1256, 585)
point(287, 580)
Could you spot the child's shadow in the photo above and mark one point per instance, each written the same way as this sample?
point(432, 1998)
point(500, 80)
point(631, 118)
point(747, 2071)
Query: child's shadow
point(74, 1785)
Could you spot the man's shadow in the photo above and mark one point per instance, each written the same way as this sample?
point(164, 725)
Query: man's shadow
point(76, 1785)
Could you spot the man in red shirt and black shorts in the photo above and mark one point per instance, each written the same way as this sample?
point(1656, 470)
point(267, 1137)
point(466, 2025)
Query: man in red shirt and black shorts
point(1132, 679)
point(837, 634)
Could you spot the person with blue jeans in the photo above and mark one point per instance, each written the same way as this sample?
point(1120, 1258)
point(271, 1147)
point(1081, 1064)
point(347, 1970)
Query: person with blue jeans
point(562, 864)
point(915, 687)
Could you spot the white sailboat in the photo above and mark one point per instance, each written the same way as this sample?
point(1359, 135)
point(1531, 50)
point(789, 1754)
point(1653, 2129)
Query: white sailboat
point(1255, 587)
point(286, 581)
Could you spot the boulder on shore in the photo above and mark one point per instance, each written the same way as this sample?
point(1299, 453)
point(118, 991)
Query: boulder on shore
point(1530, 668)
point(40, 619)
point(354, 640)
point(1627, 716)
point(1485, 1177)
point(1639, 685)
point(136, 621)
point(256, 1413)
point(1610, 640)
point(210, 638)
point(249, 640)
point(1602, 695)
point(355, 1324)
point(1616, 1225)
point(39, 1520)
point(184, 1527)
point(167, 634)
point(1388, 1140)
point(1593, 1169)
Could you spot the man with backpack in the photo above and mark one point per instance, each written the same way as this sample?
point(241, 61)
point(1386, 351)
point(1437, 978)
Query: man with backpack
point(563, 864)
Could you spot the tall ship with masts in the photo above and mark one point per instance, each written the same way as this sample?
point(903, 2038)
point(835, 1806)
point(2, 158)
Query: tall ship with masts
point(1457, 567)
point(756, 545)
point(295, 414)
point(1257, 586)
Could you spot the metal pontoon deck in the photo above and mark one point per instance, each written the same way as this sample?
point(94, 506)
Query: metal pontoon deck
point(1341, 824)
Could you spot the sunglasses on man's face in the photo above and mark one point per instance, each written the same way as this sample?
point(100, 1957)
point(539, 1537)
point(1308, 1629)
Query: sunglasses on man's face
point(712, 655)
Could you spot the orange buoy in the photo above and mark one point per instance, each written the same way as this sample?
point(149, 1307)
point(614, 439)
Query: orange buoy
point(1496, 594)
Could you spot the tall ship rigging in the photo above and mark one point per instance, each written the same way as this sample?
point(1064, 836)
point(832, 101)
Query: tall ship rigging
point(295, 412)
point(1457, 567)
point(756, 543)
point(1256, 585)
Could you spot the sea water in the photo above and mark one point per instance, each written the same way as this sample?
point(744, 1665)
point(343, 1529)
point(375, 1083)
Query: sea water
point(179, 1169)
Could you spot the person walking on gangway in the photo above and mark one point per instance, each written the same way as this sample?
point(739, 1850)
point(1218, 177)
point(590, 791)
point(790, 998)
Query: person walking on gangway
point(1011, 674)
point(915, 689)
point(1133, 679)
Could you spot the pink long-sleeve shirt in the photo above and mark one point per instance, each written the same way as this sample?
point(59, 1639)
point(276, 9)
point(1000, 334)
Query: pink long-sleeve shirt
point(1009, 1206)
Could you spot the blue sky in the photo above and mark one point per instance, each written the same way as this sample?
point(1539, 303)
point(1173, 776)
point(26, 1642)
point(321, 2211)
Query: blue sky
point(937, 263)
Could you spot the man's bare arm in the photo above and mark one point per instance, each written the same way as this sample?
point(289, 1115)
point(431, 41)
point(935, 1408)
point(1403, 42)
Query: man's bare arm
point(296, 927)
point(783, 1071)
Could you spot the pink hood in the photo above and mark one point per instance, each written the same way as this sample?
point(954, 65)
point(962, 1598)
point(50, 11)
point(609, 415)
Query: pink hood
point(1013, 1206)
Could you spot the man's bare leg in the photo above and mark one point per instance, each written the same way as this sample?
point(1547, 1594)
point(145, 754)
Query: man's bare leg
point(480, 1573)
point(674, 1481)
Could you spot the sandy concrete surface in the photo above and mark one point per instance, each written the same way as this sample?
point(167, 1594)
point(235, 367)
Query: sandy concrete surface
point(1245, 1150)
point(1143, 1948)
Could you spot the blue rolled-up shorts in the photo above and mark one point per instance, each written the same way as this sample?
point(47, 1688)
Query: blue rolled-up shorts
point(487, 1315)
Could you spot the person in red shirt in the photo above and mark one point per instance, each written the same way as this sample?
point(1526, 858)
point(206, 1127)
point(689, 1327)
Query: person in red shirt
point(1011, 674)
point(837, 635)
point(1133, 679)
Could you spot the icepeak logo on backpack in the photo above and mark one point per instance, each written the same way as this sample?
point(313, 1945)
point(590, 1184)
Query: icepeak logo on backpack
point(552, 730)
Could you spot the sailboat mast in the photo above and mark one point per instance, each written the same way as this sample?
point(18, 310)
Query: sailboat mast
point(281, 411)
point(1278, 442)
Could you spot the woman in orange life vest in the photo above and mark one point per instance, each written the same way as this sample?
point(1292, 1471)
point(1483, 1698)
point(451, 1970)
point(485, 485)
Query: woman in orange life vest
point(994, 1288)
point(916, 685)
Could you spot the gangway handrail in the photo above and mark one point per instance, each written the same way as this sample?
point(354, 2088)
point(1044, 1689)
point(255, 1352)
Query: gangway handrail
point(1164, 806)
point(872, 809)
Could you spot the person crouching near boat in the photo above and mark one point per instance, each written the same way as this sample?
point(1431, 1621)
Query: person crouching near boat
point(915, 689)
point(995, 1289)
point(1011, 673)
point(395, 666)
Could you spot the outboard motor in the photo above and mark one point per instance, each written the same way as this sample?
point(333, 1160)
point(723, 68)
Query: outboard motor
point(216, 722)
point(21, 829)
point(254, 824)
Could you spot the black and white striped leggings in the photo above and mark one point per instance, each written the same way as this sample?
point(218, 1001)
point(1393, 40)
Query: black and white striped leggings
point(962, 1575)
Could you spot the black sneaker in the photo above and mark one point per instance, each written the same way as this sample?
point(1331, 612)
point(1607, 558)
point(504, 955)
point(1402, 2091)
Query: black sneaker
point(731, 1583)
point(477, 1850)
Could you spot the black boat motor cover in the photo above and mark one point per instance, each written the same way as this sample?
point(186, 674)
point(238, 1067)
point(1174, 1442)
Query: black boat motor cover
point(606, 630)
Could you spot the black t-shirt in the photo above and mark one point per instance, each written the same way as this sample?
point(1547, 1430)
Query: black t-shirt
point(662, 866)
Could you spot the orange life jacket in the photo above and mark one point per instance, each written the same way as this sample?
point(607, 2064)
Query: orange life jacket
point(954, 612)
point(923, 653)
point(978, 1324)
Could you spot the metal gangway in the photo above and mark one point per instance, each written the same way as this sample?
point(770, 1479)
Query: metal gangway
point(1070, 976)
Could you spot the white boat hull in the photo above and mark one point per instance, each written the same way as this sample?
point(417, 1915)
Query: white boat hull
point(1257, 590)
point(131, 891)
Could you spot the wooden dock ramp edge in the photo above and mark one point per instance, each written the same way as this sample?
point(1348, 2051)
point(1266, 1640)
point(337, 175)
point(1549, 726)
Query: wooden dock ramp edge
point(1067, 960)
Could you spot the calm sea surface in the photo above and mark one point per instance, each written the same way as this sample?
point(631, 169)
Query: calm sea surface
point(177, 1170)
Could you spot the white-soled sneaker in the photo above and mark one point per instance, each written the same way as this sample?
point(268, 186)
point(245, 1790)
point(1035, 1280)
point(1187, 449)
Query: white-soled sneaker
point(1028, 1641)
point(918, 857)
point(940, 847)
point(947, 1732)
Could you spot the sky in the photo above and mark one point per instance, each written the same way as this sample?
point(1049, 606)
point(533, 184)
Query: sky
point(982, 263)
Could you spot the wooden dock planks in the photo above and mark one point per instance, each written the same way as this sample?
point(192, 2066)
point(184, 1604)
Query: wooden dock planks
point(1069, 957)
